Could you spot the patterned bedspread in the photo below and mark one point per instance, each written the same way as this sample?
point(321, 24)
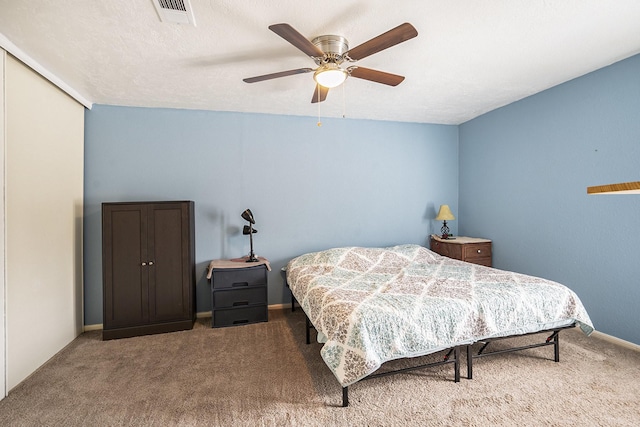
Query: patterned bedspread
point(372, 305)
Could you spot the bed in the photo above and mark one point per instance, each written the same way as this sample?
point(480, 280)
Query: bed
point(373, 305)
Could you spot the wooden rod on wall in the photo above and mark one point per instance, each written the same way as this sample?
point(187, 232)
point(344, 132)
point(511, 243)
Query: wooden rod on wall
point(622, 188)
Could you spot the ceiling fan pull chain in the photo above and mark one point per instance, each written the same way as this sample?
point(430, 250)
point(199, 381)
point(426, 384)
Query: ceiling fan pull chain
point(344, 100)
point(318, 90)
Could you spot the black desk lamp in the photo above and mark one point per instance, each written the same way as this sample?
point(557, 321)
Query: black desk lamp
point(248, 229)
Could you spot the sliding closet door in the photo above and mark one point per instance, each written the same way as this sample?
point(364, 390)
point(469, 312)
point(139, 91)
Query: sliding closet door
point(44, 175)
point(3, 342)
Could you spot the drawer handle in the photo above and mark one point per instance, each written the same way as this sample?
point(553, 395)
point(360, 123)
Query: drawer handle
point(235, 322)
point(237, 303)
point(479, 251)
point(238, 284)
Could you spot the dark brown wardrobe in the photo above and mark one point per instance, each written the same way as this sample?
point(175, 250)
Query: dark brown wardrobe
point(148, 268)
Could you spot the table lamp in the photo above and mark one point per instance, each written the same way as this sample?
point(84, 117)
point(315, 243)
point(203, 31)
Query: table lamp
point(445, 215)
point(248, 229)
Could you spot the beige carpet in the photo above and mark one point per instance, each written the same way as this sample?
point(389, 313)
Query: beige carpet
point(264, 374)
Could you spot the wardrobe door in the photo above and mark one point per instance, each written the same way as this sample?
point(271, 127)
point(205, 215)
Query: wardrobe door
point(170, 268)
point(125, 274)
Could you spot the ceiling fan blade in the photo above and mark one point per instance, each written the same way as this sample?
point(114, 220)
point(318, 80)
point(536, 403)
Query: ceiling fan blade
point(277, 75)
point(392, 37)
point(376, 76)
point(319, 94)
point(288, 33)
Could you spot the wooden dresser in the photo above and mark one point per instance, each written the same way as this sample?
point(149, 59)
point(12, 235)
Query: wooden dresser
point(469, 249)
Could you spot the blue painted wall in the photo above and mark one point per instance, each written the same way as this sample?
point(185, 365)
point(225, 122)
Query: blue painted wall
point(524, 170)
point(349, 182)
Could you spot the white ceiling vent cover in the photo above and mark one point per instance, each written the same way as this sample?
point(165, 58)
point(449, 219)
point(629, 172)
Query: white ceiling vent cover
point(175, 11)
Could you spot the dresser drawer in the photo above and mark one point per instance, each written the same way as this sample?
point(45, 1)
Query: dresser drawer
point(239, 316)
point(239, 297)
point(469, 249)
point(447, 249)
point(473, 251)
point(242, 277)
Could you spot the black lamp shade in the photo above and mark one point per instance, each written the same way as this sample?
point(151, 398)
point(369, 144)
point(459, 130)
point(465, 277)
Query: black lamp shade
point(248, 216)
point(248, 230)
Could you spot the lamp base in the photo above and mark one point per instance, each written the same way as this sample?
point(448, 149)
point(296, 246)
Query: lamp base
point(445, 230)
point(252, 258)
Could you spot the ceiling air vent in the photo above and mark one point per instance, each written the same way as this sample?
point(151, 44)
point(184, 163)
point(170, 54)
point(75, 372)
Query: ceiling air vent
point(175, 11)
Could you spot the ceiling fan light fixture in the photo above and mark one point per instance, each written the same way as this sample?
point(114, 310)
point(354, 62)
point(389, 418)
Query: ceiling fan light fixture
point(330, 75)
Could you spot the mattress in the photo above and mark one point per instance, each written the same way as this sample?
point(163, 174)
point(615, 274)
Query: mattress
point(373, 305)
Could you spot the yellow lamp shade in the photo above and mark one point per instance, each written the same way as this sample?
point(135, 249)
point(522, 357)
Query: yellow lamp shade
point(445, 214)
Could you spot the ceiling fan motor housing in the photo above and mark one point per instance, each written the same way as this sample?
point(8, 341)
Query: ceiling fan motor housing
point(333, 47)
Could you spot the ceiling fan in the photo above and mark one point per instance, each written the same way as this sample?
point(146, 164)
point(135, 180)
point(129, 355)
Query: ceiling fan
point(330, 51)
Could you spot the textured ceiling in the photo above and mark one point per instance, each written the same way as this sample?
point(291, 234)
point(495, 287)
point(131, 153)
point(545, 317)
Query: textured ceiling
point(470, 56)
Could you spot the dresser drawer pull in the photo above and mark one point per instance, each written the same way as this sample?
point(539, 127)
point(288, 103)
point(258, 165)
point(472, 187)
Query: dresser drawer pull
point(479, 251)
point(237, 303)
point(236, 322)
point(238, 284)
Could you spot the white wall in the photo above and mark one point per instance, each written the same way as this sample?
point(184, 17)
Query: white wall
point(44, 196)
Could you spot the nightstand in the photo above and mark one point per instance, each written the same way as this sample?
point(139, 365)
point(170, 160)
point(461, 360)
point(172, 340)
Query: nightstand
point(469, 249)
point(238, 292)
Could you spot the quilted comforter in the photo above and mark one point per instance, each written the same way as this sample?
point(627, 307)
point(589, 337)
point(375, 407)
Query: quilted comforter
point(372, 305)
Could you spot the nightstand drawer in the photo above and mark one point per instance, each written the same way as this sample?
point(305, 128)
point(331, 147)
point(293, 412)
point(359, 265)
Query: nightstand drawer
point(239, 297)
point(239, 316)
point(486, 261)
point(473, 251)
point(445, 249)
point(469, 249)
point(238, 278)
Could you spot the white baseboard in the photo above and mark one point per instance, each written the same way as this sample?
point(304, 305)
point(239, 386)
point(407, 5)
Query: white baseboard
point(616, 340)
point(596, 334)
point(200, 315)
point(88, 328)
